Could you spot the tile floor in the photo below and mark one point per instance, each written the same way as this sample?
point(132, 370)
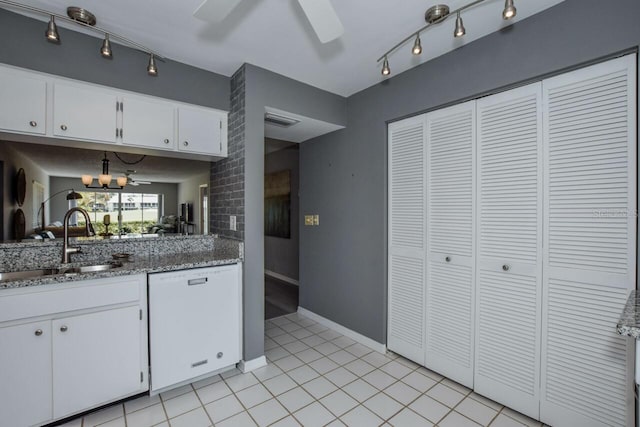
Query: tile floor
point(315, 377)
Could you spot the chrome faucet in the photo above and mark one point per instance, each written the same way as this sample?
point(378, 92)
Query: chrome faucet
point(66, 249)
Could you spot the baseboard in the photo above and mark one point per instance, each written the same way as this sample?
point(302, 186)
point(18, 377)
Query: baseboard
point(380, 348)
point(281, 277)
point(252, 365)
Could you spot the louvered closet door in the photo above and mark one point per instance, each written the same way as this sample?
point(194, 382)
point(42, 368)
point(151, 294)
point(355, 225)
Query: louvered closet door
point(450, 242)
point(406, 333)
point(509, 276)
point(590, 237)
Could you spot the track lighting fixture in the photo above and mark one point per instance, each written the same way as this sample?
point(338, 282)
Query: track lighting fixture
point(509, 10)
point(385, 67)
point(86, 19)
point(105, 50)
point(435, 15)
point(52, 31)
point(460, 30)
point(152, 70)
point(417, 46)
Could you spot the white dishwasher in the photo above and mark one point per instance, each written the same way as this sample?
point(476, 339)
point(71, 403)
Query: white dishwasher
point(195, 323)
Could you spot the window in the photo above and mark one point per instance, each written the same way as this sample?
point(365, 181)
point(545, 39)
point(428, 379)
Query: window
point(128, 212)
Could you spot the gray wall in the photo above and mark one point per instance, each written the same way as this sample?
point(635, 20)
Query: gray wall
point(281, 255)
point(343, 175)
point(22, 43)
point(264, 88)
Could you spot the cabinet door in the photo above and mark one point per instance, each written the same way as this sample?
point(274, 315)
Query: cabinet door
point(22, 103)
point(84, 112)
point(96, 359)
point(590, 244)
point(201, 131)
point(407, 247)
point(194, 319)
point(147, 123)
point(509, 266)
point(25, 374)
point(451, 241)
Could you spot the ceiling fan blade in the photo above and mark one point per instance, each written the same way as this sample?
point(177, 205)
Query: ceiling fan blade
point(143, 182)
point(215, 10)
point(323, 19)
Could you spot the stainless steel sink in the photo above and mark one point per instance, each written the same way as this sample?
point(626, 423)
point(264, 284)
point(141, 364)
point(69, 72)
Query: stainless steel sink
point(91, 268)
point(32, 274)
point(28, 274)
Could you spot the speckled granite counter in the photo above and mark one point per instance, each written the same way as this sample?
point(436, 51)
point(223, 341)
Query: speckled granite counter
point(629, 323)
point(174, 257)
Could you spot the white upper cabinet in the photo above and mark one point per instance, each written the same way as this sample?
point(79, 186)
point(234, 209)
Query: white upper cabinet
point(84, 112)
point(22, 103)
point(202, 130)
point(147, 123)
point(79, 114)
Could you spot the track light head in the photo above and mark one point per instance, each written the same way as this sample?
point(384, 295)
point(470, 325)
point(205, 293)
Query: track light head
point(52, 31)
point(509, 10)
point(417, 46)
point(459, 30)
point(152, 69)
point(385, 67)
point(105, 50)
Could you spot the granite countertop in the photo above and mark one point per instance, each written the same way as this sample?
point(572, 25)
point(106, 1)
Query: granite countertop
point(629, 323)
point(135, 265)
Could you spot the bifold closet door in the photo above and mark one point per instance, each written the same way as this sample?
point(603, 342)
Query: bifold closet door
point(406, 331)
point(450, 242)
point(509, 276)
point(590, 244)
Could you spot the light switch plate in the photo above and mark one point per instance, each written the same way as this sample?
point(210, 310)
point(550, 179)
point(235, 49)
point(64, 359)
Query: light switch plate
point(232, 223)
point(308, 220)
point(316, 220)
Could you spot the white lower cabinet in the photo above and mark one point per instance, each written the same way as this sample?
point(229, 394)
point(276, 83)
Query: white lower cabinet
point(25, 374)
point(194, 323)
point(68, 348)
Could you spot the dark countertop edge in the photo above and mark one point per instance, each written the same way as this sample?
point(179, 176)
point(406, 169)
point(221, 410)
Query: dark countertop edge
point(127, 270)
point(629, 323)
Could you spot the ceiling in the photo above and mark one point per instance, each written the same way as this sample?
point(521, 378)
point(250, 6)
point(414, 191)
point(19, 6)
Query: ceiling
point(277, 36)
point(305, 128)
point(74, 162)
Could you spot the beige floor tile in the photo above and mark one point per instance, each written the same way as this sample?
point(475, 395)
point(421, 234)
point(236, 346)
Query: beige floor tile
point(196, 418)
point(429, 408)
point(445, 395)
point(455, 419)
point(408, 418)
point(475, 410)
point(339, 402)
point(147, 417)
point(361, 417)
point(383, 406)
point(268, 412)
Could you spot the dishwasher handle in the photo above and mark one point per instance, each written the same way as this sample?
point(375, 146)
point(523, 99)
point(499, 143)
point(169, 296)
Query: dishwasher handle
point(199, 281)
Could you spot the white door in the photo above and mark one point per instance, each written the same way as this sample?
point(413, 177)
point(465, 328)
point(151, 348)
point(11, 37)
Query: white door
point(22, 103)
point(194, 323)
point(407, 208)
point(200, 130)
point(509, 276)
point(84, 112)
point(25, 374)
point(147, 123)
point(451, 241)
point(96, 359)
point(590, 244)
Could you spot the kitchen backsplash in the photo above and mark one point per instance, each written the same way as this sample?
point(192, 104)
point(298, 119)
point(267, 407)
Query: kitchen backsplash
point(39, 254)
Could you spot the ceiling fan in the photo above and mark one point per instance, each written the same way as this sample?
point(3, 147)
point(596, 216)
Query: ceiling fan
point(131, 181)
point(320, 14)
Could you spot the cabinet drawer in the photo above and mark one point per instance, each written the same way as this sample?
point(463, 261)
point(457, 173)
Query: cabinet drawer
point(46, 300)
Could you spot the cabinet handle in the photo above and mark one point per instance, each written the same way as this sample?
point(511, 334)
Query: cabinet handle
point(448, 259)
point(33, 123)
point(200, 281)
point(38, 332)
point(166, 141)
point(506, 267)
point(63, 328)
point(200, 363)
point(219, 355)
point(63, 127)
point(186, 143)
